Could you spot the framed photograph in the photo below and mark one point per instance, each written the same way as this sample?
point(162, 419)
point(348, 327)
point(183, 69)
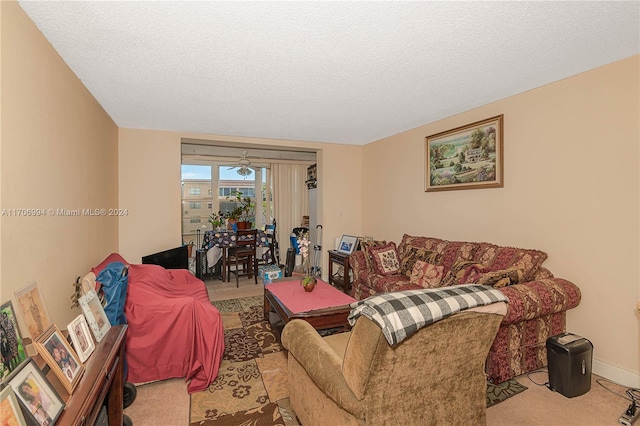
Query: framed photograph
point(467, 157)
point(61, 357)
point(94, 313)
point(81, 337)
point(40, 400)
point(348, 244)
point(33, 309)
point(13, 351)
point(10, 408)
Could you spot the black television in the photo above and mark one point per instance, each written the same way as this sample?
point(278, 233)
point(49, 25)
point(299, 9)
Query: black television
point(175, 258)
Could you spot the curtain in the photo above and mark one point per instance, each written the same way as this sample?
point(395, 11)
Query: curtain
point(290, 199)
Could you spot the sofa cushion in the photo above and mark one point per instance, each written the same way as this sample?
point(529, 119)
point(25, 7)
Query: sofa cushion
point(457, 251)
point(414, 254)
point(502, 277)
point(426, 274)
point(366, 245)
point(408, 241)
point(385, 259)
point(496, 257)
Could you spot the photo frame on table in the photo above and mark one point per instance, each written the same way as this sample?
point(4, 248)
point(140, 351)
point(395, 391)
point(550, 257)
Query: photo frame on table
point(33, 309)
point(81, 337)
point(60, 356)
point(348, 244)
point(94, 313)
point(10, 408)
point(13, 351)
point(40, 401)
point(467, 157)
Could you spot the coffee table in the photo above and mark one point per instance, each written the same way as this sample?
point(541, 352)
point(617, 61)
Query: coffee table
point(325, 308)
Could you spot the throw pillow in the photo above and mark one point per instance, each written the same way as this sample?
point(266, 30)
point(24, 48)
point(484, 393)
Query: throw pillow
point(502, 277)
point(366, 245)
point(385, 259)
point(498, 257)
point(414, 254)
point(464, 272)
point(426, 275)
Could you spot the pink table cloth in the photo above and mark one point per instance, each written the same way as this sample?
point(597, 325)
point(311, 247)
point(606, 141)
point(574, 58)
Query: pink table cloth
point(293, 295)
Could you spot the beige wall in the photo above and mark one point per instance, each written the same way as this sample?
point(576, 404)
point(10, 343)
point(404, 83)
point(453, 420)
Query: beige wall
point(149, 166)
point(571, 188)
point(59, 151)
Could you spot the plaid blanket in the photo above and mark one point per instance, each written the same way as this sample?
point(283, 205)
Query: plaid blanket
point(402, 313)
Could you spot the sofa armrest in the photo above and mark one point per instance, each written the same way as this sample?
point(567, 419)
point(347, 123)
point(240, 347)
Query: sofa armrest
point(358, 264)
point(321, 363)
point(538, 298)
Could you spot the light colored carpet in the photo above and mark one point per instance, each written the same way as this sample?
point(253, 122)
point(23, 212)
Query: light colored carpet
point(160, 403)
point(539, 406)
point(167, 403)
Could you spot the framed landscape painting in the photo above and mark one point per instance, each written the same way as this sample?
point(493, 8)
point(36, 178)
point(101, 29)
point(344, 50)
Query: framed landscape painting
point(13, 351)
point(467, 157)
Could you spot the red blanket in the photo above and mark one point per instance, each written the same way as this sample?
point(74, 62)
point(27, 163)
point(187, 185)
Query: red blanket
point(174, 330)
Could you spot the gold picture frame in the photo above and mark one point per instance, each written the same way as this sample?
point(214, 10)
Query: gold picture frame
point(33, 309)
point(60, 357)
point(467, 157)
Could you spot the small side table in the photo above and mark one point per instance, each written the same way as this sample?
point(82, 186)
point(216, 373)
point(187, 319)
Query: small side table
point(335, 280)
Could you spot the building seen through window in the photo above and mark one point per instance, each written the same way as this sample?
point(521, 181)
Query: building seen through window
point(198, 202)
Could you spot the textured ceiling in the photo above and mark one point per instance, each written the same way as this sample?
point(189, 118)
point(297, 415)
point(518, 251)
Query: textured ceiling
point(342, 72)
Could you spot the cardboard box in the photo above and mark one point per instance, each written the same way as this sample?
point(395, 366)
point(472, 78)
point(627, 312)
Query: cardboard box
point(269, 272)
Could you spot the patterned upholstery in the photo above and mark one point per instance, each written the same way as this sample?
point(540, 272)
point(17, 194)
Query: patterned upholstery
point(537, 300)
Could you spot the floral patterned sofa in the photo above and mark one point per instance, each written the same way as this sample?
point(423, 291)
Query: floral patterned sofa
point(537, 300)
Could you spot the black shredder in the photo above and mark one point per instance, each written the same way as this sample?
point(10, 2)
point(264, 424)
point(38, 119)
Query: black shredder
point(569, 361)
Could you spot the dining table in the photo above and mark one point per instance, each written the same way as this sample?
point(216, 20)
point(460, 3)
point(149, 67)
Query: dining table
point(217, 242)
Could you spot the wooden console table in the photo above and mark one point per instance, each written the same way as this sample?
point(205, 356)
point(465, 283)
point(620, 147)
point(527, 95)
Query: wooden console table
point(334, 279)
point(102, 382)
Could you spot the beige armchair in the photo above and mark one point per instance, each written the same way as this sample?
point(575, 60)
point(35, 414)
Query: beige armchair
point(435, 377)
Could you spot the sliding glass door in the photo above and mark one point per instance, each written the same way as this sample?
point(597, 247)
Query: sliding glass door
point(209, 187)
point(197, 200)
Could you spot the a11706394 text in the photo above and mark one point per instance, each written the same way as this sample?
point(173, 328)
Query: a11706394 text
point(62, 212)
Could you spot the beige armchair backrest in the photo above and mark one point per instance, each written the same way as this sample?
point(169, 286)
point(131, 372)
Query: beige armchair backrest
point(434, 377)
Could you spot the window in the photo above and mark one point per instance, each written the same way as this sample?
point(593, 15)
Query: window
point(197, 201)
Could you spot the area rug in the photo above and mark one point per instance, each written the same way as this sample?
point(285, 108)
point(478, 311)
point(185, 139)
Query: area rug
point(251, 387)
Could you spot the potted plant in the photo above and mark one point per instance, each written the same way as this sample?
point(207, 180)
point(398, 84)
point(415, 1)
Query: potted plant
point(309, 281)
point(242, 212)
point(216, 220)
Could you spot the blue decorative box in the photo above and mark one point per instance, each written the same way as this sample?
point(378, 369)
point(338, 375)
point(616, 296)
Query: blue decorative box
point(269, 273)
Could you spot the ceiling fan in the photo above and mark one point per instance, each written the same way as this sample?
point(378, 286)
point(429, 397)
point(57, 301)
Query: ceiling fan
point(243, 165)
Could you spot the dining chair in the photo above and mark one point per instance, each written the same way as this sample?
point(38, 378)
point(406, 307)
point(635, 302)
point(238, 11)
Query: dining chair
point(272, 254)
point(243, 254)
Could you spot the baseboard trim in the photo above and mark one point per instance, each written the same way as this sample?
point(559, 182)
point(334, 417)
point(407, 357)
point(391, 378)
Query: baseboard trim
point(616, 374)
